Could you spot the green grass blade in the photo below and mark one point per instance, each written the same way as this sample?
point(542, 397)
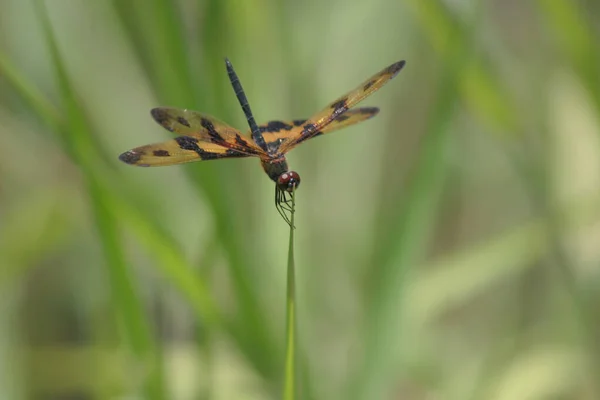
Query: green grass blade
point(289, 386)
point(577, 39)
point(478, 86)
point(170, 262)
point(126, 302)
point(49, 114)
point(156, 30)
point(126, 299)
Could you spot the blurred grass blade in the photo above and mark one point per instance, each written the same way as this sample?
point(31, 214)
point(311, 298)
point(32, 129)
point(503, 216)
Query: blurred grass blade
point(36, 99)
point(171, 261)
point(127, 305)
point(578, 41)
point(31, 231)
point(452, 281)
point(156, 31)
point(479, 87)
point(289, 386)
point(404, 242)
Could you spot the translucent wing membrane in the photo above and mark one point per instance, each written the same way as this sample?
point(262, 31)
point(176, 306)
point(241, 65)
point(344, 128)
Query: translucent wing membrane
point(350, 117)
point(339, 107)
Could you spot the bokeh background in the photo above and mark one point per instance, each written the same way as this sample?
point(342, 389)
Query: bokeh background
point(447, 249)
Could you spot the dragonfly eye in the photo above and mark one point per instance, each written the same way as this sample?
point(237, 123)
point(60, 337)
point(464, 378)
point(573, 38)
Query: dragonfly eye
point(288, 180)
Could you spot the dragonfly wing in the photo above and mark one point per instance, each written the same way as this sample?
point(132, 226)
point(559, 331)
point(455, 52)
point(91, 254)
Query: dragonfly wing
point(318, 122)
point(202, 137)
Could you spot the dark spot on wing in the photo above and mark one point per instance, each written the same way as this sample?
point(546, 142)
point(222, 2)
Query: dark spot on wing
point(308, 136)
point(339, 106)
point(159, 115)
point(205, 123)
point(233, 153)
point(190, 143)
point(244, 146)
point(161, 153)
point(162, 117)
point(206, 155)
point(240, 141)
point(130, 157)
point(369, 84)
point(187, 143)
point(298, 122)
point(395, 68)
point(308, 129)
point(212, 132)
point(183, 121)
point(342, 118)
point(274, 126)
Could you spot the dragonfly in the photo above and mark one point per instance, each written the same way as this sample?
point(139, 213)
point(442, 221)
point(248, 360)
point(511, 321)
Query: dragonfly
point(202, 137)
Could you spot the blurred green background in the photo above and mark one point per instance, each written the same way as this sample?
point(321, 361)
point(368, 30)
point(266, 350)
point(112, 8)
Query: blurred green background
point(447, 249)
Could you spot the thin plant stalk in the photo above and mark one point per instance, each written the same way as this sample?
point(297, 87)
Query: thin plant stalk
point(289, 386)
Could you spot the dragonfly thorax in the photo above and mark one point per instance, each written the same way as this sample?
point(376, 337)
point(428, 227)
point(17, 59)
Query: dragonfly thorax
point(288, 181)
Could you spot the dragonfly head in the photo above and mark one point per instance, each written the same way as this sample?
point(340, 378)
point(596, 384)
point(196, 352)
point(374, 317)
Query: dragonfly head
point(288, 181)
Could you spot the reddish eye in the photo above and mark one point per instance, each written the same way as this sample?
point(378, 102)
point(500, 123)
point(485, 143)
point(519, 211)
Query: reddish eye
point(288, 181)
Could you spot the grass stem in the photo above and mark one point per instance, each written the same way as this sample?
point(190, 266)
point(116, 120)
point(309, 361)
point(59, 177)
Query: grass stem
point(289, 387)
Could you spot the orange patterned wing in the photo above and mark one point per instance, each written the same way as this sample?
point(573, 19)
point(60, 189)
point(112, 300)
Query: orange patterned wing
point(333, 111)
point(201, 138)
point(277, 132)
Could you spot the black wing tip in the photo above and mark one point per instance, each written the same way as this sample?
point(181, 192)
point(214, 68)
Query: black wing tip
point(396, 67)
point(130, 157)
point(159, 114)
